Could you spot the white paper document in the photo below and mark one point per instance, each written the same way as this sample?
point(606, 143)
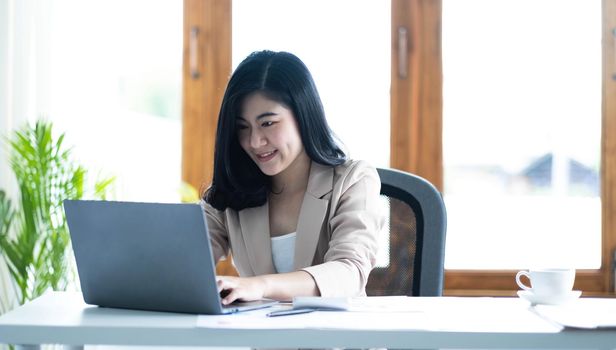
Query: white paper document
point(258, 319)
point(395, 313)
point(359, 304)
point(586, 313)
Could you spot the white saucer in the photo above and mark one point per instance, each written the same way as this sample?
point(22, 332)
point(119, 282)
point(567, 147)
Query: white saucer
point(549, 300)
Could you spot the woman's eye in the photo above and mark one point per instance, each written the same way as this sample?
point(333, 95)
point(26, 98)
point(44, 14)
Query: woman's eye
point(241, 127)
point(267, 124)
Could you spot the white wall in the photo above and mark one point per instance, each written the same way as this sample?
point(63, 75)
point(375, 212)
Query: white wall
point(23, 49)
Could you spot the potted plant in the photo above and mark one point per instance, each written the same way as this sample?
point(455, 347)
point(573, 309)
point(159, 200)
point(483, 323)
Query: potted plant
point(34, 238)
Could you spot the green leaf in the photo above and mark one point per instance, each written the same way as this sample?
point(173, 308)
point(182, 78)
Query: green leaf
point(34, 237)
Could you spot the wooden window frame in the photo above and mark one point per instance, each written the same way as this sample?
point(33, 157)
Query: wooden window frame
point(210, 23)
point(417, 138)
point(416, 119)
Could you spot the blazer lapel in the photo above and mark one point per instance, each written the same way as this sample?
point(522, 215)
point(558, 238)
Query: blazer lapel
point(312, 214)
point(255, 228)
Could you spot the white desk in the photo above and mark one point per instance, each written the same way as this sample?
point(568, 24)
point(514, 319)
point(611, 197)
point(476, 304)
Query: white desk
point(497, 323)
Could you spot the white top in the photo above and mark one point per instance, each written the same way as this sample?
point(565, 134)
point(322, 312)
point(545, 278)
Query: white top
point(283, 252)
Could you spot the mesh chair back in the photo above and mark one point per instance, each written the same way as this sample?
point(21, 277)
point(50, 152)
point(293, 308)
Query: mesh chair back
point(415, 234)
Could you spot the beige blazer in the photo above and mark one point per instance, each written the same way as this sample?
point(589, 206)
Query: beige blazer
point(337, 230)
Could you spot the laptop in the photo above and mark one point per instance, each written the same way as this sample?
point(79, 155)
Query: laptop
point(146, 256)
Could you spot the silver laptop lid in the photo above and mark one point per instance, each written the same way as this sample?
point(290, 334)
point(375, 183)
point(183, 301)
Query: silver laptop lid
point(148, 256)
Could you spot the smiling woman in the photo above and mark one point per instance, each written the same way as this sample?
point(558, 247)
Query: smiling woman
point(280, 176)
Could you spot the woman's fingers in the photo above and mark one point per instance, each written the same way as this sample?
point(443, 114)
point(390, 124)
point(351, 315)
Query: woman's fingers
point(227, 287)
point(237, 288)
point(223, 282)
point(231, 297)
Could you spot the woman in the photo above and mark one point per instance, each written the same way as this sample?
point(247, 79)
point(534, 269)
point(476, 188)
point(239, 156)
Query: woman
point(300, 218)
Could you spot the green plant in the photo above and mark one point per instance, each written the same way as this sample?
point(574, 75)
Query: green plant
point(34, 238)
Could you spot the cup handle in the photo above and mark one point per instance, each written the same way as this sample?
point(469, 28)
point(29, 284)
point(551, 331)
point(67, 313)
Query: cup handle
point(519, 280)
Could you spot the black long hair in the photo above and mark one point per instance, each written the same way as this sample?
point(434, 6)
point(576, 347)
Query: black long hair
point(238, 182)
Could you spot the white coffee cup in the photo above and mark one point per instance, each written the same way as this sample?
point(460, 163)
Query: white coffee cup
point(547, 282)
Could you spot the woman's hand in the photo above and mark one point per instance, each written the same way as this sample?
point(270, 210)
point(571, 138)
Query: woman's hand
point(240, 288)
point(282, 286)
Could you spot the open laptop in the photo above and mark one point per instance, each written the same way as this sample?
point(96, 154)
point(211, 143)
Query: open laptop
point(147, 256)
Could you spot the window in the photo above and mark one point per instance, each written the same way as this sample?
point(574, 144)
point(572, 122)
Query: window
point(522, 133)
point(116, 91)
point(419, 136)
point(595, 239)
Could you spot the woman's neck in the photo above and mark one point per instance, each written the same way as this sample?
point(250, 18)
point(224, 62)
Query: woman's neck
point(294, 178)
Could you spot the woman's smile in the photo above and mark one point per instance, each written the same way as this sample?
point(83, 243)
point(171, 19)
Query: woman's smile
point(267, 156)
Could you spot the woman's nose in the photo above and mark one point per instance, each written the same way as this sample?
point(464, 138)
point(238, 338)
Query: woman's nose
point(256, 138)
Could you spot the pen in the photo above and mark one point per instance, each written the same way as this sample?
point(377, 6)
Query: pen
point(290, 312)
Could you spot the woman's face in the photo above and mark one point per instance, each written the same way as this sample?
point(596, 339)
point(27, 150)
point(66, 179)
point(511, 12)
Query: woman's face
point(268, 133)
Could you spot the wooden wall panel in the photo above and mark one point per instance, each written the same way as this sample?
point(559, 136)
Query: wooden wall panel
point(608, 160)
point(416, 101)
point(202, 95)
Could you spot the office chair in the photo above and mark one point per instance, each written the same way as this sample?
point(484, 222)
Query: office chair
point(416, 229)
